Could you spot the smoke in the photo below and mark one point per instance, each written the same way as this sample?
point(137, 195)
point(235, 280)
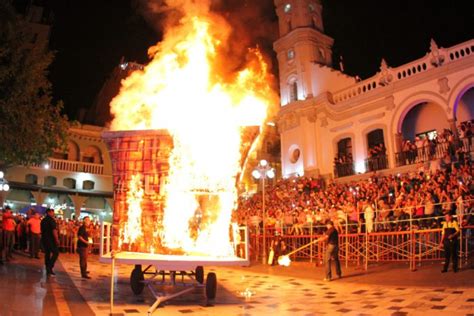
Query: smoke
point(252, 23)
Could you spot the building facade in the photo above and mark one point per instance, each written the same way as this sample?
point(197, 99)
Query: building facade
point(326, 114)
point(77, 181)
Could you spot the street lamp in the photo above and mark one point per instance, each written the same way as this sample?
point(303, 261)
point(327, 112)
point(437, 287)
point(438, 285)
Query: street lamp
point(4, 188)
point(262, 171)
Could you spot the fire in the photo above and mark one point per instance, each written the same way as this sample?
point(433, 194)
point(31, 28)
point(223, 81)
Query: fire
point(132, 229)
point(204, 109)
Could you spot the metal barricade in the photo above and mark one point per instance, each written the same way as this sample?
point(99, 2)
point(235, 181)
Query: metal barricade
point(412, 246)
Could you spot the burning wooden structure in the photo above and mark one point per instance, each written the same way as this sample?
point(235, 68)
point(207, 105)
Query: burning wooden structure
point(140, 163)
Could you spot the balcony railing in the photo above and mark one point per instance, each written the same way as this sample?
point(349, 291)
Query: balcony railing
point(432, 152)
point(378, 162)
point(344, 169)
point(75, 166)
point(437, 57)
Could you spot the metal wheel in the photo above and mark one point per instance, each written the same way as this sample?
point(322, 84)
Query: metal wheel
point(200, 274)
point(211, 286)
point(136, 280)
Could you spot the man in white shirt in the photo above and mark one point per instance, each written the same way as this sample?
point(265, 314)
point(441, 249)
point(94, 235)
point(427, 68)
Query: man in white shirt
point(34, 234)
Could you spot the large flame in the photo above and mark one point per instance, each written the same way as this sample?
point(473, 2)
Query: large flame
point(132, 229)
point(181, 90)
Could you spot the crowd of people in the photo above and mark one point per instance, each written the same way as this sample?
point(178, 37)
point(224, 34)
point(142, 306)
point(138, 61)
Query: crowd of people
point(378, 203)
point(22, 233)
point(439, 145)
point(445, 145)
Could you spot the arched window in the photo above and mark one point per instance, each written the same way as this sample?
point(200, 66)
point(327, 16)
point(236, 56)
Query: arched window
point(344, 148)
point(88, 185)
point(375, 138)
point(72, 151)
point(92, 154)
point(293, 90)
point(49, 181)
point(69, 183)
point(31, 179)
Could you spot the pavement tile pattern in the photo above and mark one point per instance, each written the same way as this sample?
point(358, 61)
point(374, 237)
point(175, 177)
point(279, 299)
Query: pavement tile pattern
point(25, 290)
point(242, 291)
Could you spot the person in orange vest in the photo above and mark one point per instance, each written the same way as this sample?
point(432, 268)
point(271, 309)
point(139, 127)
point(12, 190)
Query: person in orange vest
point(8, 225)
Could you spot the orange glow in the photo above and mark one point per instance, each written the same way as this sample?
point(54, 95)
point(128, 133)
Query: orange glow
point(204, 109)
point(132, 229)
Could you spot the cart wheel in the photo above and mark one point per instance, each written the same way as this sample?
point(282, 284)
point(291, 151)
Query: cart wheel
point(136, 280)
point(211, 286)
point(200, 274)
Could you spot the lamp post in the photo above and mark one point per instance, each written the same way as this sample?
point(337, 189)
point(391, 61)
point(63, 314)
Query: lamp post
point(263, 171)
point(4, 188)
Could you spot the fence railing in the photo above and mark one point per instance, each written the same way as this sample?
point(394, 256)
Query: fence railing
point(414, 247)
point(405, 241)
point(344, 169)
point(73, 166)
point(433, 151)
point(375, 163)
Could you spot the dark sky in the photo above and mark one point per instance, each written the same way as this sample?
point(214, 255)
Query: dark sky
point(90, 37)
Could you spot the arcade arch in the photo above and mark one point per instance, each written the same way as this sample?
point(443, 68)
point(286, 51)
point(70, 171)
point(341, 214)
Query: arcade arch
point(92, 154)
point(423, 118)
point(464, 108)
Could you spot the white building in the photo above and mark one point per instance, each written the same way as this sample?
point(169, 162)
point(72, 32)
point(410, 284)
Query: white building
point(325, 113)
point(79, 179)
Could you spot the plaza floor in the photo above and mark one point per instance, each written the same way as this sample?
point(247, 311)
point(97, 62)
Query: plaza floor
point(256, 290)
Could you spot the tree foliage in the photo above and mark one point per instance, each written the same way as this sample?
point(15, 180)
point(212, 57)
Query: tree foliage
point(31, 126)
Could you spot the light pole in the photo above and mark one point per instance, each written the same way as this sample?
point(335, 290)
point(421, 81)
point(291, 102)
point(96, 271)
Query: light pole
point(4, 188)
point(262, 171)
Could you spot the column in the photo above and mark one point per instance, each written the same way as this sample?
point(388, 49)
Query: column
point(39, 196)
point(78, 201)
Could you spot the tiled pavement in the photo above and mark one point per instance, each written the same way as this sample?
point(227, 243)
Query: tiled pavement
point(272, 292)
point(256, 290)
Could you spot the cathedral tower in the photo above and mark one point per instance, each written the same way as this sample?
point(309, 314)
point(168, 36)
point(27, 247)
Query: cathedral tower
point(301, 44)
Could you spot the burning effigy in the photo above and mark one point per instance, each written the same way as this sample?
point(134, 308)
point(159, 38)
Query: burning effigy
point(176, 140)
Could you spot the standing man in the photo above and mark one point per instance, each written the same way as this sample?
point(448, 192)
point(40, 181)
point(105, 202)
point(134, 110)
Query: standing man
point(83, 246)
point(450, 242)
point(50, 241)
point(332, 251)
point(8, 225)
point(278, 246)
point(34, 233)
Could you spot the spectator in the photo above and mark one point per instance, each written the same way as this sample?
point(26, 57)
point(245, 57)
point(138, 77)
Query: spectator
point(34, 233)
point(50, 241)
point(83, 246)
point(8, 226)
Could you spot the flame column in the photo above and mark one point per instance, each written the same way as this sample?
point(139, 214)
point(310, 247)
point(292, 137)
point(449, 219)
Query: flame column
point(263, 171)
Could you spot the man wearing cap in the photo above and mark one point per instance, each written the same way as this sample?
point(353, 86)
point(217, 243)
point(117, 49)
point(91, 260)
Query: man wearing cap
point(449, 241)
point(50, 241)
point(332, 250)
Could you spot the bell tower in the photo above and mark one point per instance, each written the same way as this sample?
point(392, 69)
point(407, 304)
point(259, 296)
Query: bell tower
point(302, 43)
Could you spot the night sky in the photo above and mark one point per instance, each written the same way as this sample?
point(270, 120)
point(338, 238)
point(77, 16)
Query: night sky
point(90, 36)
